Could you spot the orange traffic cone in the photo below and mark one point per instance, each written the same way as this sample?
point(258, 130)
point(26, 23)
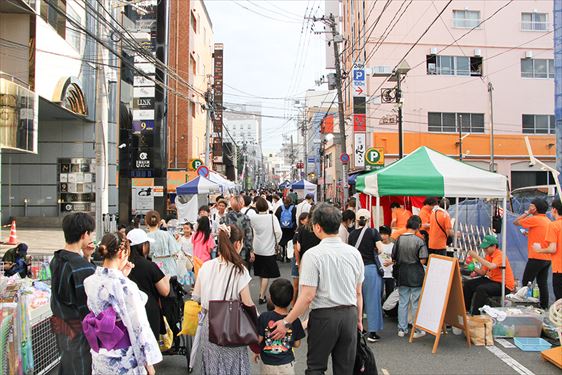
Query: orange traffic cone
point(13, 235)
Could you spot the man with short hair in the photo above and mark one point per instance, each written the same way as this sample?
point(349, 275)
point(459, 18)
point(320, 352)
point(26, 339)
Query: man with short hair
point(489, 284)
point(538, 264)
point(68, 299)
point(554, 239)
point(425, 213)
point(400, 216)
point(440, 228)
point(305, 205)
point(409, 255)
point(287, 216)
point(237, 218)
point(331, 276)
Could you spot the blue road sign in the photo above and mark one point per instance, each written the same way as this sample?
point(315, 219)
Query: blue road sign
point(358, 74)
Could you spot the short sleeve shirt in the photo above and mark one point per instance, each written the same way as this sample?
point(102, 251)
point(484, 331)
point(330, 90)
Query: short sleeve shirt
point(307, 240)
point(278, 352)
point(554, 234)
point(214, 276)
point(437, 236)
point(367, 247)
point(537, 226)
point(496, 274)
point(401, 216)
point(335, 269)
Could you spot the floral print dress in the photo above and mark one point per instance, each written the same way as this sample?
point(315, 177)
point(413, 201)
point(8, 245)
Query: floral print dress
point(109, 287)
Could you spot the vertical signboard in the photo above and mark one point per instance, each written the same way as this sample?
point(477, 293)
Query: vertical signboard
point(359, 150)
point(359, 89)
point(218, 101)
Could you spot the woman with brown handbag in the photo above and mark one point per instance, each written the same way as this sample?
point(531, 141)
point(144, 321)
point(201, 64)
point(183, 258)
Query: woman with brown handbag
point(218, 278)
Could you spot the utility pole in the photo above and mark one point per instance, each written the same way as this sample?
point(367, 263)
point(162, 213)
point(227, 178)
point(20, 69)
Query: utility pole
point(460, 137)
point(400, 121)
point(558, 82)
point(304, 136)
point(100, 135)
point(490, 91)
point(332, 23)
point(293, 169)
point(209, 107)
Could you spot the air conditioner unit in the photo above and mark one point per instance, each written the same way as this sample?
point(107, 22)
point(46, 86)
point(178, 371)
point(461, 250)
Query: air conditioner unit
point(433, 51)
point(477, 52)
point(528, 54)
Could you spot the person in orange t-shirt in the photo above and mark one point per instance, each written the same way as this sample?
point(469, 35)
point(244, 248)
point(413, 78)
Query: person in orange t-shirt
point(490, 282)
point(554, 239)
point(400, 216)
point(440, 228)
point(425, 216)
point(538, 264)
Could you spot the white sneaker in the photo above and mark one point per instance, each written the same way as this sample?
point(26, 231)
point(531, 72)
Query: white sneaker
point(419, 334)
point(401, 333)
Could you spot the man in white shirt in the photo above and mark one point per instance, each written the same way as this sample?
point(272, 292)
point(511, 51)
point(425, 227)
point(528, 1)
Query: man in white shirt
point(305, 205)
point(331, 277)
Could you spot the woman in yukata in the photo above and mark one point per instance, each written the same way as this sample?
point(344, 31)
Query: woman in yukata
point(117, 327)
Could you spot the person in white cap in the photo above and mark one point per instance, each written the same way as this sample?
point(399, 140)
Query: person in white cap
point(148, 277)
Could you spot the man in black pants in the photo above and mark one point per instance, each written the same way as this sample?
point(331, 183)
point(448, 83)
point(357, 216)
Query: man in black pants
point(538, 264)
point(331, 276)
point(490, 282)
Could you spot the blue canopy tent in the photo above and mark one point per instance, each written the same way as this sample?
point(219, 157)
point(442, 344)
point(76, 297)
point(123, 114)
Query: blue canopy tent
point(304, 187)
point(199, 185)
point(285, 184)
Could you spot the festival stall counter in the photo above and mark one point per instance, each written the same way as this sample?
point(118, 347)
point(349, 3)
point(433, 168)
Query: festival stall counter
point(426, 172)
point(27, 345)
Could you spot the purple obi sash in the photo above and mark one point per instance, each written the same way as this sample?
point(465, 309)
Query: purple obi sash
point(105, 331)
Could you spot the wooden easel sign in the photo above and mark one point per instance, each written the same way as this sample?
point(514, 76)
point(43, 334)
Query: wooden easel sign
point(442, 300)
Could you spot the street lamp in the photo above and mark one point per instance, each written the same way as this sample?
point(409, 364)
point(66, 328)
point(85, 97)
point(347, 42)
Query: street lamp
point(402, 69)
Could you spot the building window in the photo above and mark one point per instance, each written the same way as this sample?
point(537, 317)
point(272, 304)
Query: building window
point(193, 22)
point(538, 124)
point(193, 65)
point(73, 36)
point(537, 68)
point(447, 122)
point(54, 13)
point(454, 65)
point(534, 21)
point(193, 109)
point(466, 19)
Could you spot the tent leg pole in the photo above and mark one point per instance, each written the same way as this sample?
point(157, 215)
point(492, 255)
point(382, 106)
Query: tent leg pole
point(455, 244)
point(377, 212)
point(504, 248)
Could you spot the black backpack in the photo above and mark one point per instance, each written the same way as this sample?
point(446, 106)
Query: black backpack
point(365, 363)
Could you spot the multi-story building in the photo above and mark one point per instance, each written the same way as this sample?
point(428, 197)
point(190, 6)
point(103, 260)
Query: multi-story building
point(49, 115)
point(478, 55)
point(243, 127)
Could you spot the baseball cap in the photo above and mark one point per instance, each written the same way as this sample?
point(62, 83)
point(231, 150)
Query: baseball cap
point(138, 236)
point(363, 213)
point(488, 241)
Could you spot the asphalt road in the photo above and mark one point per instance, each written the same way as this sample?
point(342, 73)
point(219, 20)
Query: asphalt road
point(395, 355)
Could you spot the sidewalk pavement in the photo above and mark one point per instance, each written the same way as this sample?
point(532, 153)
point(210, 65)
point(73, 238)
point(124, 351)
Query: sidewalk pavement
point(39, 241)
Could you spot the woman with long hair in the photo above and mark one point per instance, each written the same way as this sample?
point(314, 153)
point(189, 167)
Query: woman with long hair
point(164, 247)
point(267, 234)
point(211, 284)
point(115, 301)
point(203, 239)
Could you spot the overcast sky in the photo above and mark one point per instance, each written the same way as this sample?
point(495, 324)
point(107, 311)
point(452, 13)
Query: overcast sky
point(266, 55)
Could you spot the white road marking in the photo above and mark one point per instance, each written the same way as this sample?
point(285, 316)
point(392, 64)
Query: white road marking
point(385, 371)
point(516, 366)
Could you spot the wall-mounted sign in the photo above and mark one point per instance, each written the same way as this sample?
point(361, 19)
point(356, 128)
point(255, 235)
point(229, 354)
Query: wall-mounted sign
point(76, 185)
point(142, 125)
point(142, 160)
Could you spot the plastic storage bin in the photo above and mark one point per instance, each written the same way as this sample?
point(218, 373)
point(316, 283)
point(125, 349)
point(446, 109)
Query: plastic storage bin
point(520, 322)
point(531, 344)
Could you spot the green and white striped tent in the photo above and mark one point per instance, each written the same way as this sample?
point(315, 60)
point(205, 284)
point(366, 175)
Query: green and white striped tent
point(428, 173)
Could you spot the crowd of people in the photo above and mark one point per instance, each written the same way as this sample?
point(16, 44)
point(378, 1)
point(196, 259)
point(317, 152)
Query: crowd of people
point(107, 303)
